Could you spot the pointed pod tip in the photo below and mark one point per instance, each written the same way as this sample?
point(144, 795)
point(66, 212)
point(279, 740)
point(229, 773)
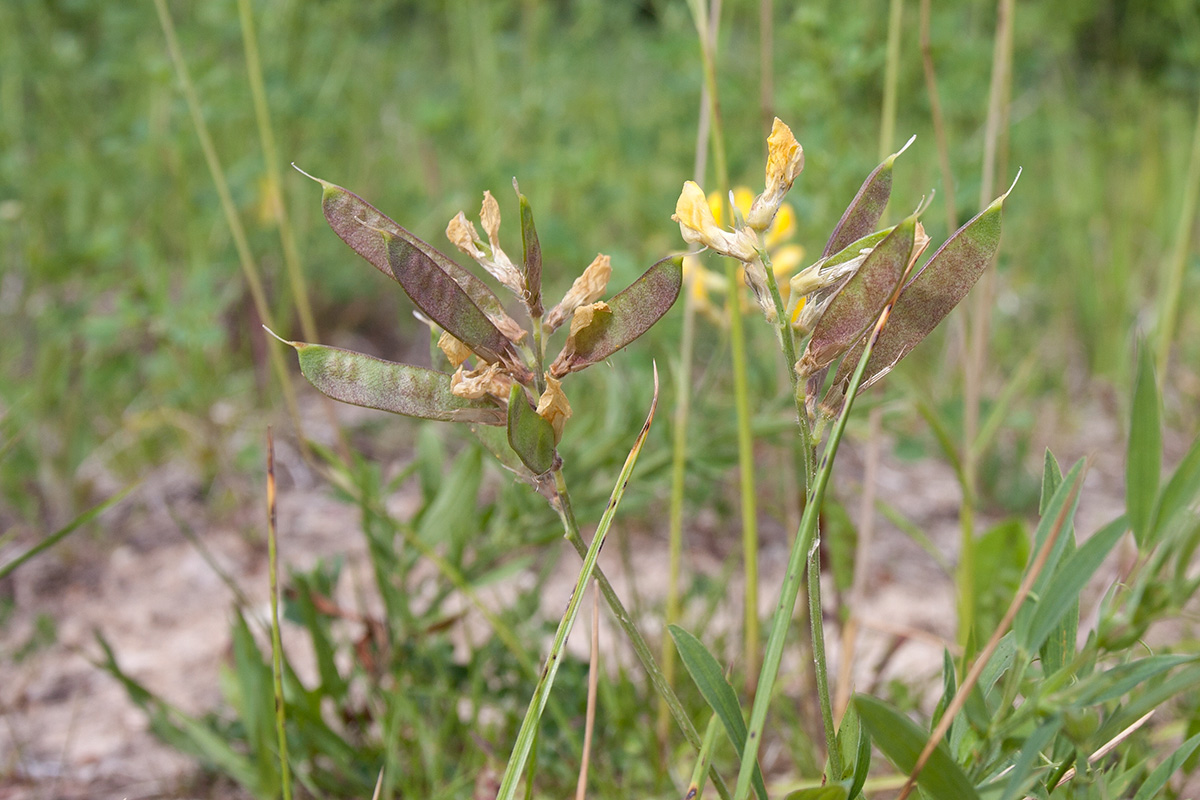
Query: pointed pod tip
point(999, 201)
point(295, 345)
point(900, 152)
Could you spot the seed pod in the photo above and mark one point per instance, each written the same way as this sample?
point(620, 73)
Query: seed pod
point(864, 211)
point(358, 223)
point(856, 307)
point(633, 311)
point(364, 380)
point(434, 292)
point(533, 257)
point(927, 298)
point(529, 434)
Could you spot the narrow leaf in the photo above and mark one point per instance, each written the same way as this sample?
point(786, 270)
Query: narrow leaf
point(1181, 491)
point(1051, 480)
point(852, 737)
point(832, 792)
point(1144, 455)
point(710, 680)
point(864, 211)
point(1115, 683)
point(1158, 778)
point(858, 305)
point(1062, 594)
point(529, 435)
point(1067, 491)
point(358, 223)
point(1019, 777)
point(902, 740)
point(633, 311)
point(533, 257)
point(927, 298)
point(364, 380)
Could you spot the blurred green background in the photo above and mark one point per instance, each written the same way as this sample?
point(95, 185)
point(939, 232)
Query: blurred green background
point(128, 335)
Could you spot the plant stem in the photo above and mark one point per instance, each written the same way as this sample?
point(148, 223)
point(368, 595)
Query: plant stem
point(1169, 311)
point(642, 650)
point(804, 547)
point(241, 243)
point(285, 776)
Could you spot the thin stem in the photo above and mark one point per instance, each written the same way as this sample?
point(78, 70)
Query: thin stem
point(285, 775)
point(642, 650)
point(683, 383)
point(241, 242)
point(787, 343)
point(887, 130)
point(589, 724)
point(939, 119)
point(1169, 312)
point(806, 542)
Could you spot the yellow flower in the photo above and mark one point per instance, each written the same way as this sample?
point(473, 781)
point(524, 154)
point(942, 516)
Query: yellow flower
point(785, 160)
point(703, 283)
point(698, 226)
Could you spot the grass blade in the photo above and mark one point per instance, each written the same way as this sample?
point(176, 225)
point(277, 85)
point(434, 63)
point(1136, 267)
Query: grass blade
point(64, 532)
point(901, 740)
point(717, 692)
point(1143, 462)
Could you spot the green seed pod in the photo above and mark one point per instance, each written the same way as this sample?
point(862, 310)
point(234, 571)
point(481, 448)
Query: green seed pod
point(358, 223)
point(533, 257)
point(927, 298)
point(364, 380)
point(530, 436)
point(864, 211)
point(856, 307)
point(442, 299)
point(633, 311)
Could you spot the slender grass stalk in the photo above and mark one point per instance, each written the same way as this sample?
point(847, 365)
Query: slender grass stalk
point(707, 25)
point(1168, 314)
point(939, 119)
point(285, 775)
point(887, 127)
point(62, 533)
point(683, 389)
point(529, 726)
point(589, 724)
point(980, 322)
point(805, 546)
point(766, 62)
point(642, 650)
point(278, 205)
point(704, 762)
point(245, 258)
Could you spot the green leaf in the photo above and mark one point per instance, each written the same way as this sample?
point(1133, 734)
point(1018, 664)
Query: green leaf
point(1051, 479)
point(852, 737)
point(902, 741)
point(533, 257)
point(63, 532)
point(927, 298)
point(717, 692)
point(1149, 697)
point(865, 210)
point(1180, 493)
point(1001, 555)
point(633, 312)
point(529, 434)
point(856, 307)
point(1114, 683)
point(1143, 463)
point(1056, 509)
point(1062, 594)
point(452, 516)
point(358, 223)
point(437, 294)
point(1019, 775)
point(832, 792)
point(1157, 779)
point(364, 380)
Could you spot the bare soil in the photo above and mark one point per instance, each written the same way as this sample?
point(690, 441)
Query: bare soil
point(69, 730)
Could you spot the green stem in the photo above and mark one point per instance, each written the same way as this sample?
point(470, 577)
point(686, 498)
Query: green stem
point(683, 384)
point(1169, 313)
point(804, 548)
point(276, 641)
point(788, 343)
point(640, 648)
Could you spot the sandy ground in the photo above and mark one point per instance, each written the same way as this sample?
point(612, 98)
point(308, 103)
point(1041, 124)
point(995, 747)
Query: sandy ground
point(69, 731)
